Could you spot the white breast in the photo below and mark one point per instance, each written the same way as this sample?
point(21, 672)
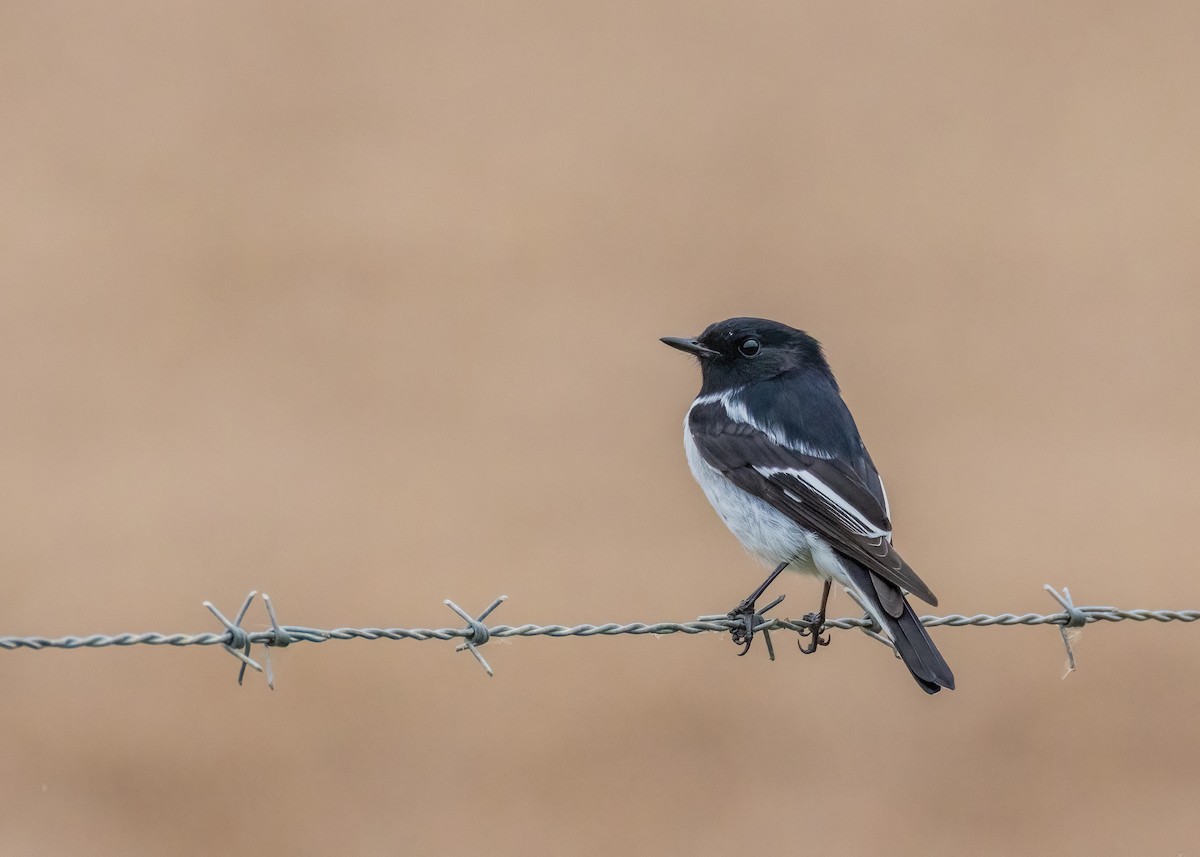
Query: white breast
point(769, 535)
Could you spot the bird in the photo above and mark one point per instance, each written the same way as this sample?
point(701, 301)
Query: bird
point(779, 456)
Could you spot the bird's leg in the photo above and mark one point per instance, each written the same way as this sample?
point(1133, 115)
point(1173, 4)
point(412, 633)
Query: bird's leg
point(814, 622)
point(750, 617)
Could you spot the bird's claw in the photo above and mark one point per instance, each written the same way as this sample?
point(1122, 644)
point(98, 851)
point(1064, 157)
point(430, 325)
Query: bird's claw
point(749, 622)
point(748, 618)
point(814, 621)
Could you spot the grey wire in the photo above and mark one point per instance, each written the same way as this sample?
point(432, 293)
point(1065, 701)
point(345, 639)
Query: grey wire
point(300, 634)
point(238, 641)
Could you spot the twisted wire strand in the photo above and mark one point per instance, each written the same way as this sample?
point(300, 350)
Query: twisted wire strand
point(297, 634)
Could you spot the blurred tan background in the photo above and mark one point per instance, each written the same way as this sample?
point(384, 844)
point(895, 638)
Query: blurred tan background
point(358, 304)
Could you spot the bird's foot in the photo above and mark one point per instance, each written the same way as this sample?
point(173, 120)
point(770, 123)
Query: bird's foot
point(749, 617)
point(750, 621)
point(814, 621)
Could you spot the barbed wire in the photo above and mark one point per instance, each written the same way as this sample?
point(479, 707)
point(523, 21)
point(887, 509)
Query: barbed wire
point(238, 641)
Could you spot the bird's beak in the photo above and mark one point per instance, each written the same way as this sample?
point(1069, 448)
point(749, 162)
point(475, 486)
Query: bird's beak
point(691, 346)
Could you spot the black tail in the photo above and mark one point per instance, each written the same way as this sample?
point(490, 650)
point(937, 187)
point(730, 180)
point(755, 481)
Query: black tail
point(886, 603)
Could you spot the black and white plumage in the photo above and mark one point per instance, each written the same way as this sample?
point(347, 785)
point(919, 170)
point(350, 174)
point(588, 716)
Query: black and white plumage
point(778, 455)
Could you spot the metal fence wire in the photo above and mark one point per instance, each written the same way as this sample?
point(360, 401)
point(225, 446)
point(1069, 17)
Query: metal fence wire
point(475, 633)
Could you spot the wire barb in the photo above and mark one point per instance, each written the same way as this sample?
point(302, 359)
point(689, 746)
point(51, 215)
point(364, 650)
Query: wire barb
point(239, 640)
point(476, 633)
point(1072, 628)
point(872, 629)
point(279, 638)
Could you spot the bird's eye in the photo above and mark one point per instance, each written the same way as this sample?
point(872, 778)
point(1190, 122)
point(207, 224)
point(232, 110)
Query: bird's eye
point(748, 347)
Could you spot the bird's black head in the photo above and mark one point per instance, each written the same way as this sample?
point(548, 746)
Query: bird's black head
point(740, 350)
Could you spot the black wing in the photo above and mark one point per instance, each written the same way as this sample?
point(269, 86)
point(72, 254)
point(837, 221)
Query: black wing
point(821, 494)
